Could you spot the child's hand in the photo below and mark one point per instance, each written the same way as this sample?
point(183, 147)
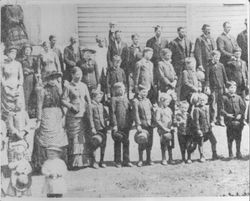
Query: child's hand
point(139, 128)
point(115, 128)
point(238, 117)
point(199, 132)
point(93, 130)
point(230, 116)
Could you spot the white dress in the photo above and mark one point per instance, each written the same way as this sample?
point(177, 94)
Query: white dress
point(54, 171)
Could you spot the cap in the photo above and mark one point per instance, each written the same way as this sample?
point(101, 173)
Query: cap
point(230, 83)
point(147, 49)
point(54, 148)
point(96, 92)
point(52, 74)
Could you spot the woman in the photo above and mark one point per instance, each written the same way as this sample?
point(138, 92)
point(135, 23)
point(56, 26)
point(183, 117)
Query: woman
point(49, 61)
point(12, 83)
point(89, 69)
point(50, 130)
point(29, 65)
point(76, 98)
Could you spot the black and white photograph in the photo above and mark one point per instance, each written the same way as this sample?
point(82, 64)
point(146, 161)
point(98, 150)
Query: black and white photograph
point(124, 99)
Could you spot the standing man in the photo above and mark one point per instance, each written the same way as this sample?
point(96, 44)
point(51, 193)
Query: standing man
point(112, 29)
point(71, 56)
point(181, 48)
point(52, 40)
point(226, 44)
point(204, 46)
point(243, 42)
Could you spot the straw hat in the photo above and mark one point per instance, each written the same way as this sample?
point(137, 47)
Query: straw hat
point(141, 137)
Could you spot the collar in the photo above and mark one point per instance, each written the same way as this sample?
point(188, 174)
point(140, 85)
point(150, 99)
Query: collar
point(145, 60)
point(140, 98)
point(166, 61)
point(158, 38)
point(135, 46)
point(231, 95)
point(181, 39)
point(226, 34)
point(75, 83)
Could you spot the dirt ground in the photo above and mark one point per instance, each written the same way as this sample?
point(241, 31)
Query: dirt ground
point(212, 178)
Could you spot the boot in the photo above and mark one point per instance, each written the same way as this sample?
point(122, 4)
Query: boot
point(163, 154)
point(170, 159)
point(238, 152)
point(140, 162)
point(149, 161)
point(230, 152)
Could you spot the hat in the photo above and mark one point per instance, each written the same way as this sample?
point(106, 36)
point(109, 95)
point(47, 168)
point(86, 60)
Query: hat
point(141, 137)
point(96, 140)
point(54, 148)
point(117, 135)
point(164, 96)
point(165, 51)
point(231, 83)
point(96, 92)
point(22, 182)
point(156, 27)
point(167, 136)
point(19, 146)
point(52, 74)
point(237, 50)
point(147, 49)
point(86, 49)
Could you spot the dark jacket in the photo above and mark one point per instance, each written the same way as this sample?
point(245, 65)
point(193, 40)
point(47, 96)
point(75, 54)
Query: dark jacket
point(232, 104)
point(99, 115)
point(133, 57)
point(226, 45)
point(122, 52)
point(70, 58)
point(115, 75)
point(203, 49)
point(215, 76)
point(121, 113)
point(179, 53)
point(243, 42)
point(201, 119)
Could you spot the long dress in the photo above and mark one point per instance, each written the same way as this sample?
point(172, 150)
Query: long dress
point(77, 124)
point(51, 131)
point(12, 94)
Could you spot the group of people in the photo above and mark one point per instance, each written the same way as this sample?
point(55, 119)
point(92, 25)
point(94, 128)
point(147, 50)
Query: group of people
point(83, 93)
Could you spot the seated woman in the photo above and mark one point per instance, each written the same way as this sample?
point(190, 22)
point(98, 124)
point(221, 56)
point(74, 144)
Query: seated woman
point(12, 83)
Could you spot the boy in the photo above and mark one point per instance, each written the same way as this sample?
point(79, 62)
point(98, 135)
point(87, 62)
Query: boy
point(100, 118)
point(215, 78)
point(121, 121)
point(143, 114)
point(163, 117)
point(183, 122)
point(202, 127)
point(115, 74)
point(233, 109)
point(237, 72)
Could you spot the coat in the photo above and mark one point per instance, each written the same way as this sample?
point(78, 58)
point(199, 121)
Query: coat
point(203, 49)
point(215, 76)
point(201, 119)
point(133, 57)
point(243, 42)
point(226, 44)
point(163, 118)
point(70, 57)
point(166, 75)
point(179, 53)
point(122, 52)
point(232, 104)
point(99, 115)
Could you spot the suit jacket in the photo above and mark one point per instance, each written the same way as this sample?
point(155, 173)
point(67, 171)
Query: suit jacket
point(133, 57)
point(99, 115)
point(232, 104)
point(163, 118)
point(166, 75)
point(143, 112)
point(189, 84)
point(237, 71)
point(122, 52)
point(152, 43)
point(215, 76)
point(179, 53)
point(203, 50)
point(70, 57)
point(226, 44)
point(243, 42)
point(201, 119)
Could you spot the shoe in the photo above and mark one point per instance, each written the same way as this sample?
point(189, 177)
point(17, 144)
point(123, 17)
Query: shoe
point(216, 157)
point(95, 166)
point(202, 159)
point(139, 164)
point(212, 124)
point(239, 156)
point(171, 162)
point(150, 163)
point(164, 162)
point(118, 165)
point(231, 156)
point(102, 165)
point(189, 161)
point(218, 123)
point(128, 164)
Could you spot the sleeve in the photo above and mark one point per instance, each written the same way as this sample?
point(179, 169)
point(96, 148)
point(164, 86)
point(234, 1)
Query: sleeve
point(46, 169)
point(224, 74)
point(197, 52)
point(109, 59)
point(207, 75)
point(136, 112)
point(57, 63)
point(20, 74)
point(162, 77)
point(61, 60)
point(89, 106)
point(188, 84)
point(108, 89)
point(196, 117)
point(40, 99)
point(96, 73)
point(66, 58)
point(242, 106)
point(113, 116)
point(221, 48)
point(136, 76)
point(65, 97)
point(124, 79)
point(223, 110)
point(148, 43)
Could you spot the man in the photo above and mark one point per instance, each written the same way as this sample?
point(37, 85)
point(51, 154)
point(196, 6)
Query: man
point(181, 48)
point(204, 46)
point(118, 47)
point(157, 43)
point(243, 42)
point(112, 29)
point(52, 40)
point(71, 56)
point(226, 44)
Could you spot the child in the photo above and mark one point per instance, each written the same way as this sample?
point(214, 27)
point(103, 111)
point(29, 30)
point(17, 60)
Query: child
point(115, 74)
point(202, 127)
point(20, 180)
point(233, 109)
point(54, 169)
point(121, 121)
point(143, 114)
point(164, 122)
point(237, 71)
point(100, 118)
point(183, 121)
point(216, 79)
